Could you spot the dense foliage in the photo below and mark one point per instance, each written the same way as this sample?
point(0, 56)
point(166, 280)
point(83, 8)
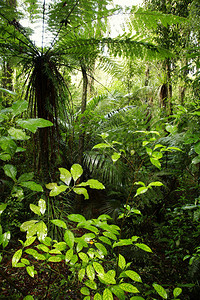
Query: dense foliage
point(99, 151)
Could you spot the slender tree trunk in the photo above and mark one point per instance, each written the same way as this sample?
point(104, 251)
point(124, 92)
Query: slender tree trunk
point(82, 121)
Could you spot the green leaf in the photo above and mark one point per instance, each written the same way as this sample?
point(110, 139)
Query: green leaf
point(68, 255)
point(107, 278)
point(98, 268)
point(76, 218)
point(107, 294)
point(93, 184)
point(81, 191)
point(25, 177)
point(34, 124)
point(121, 262)
point(10, 171)
point(55, 251)
point(59, 223)
point(196, 160)
point(19, 107)
point(42, 206)
point(197, 148)
point(18, 134)
point(6, 239)
point(101, 248)
point(176, 292)
point(85, 291)
point(35, 254)
point(35, 209)
point(76, 171)
point(29, 297)
point(57, 190)
point(133, 275)
point(124, 242)
point(97, 296)
point(115, 156)
point(16, 257)
point(101, 146)
point(90, 272)
point(55, 259)
point(41, 230)
point(8, 145)
point(105, 240)
point(171, 128)
point(32, 186)
point(91, 284)
point(143, 247)
point(29, 241)
point(5, 156)
point(25, 261)
point(141, 190)
point(60, 246)
point(155, 162)
point(69, 238)
point(2, 207)
point(110, 235)
point(30, 271)
point(137, 298)
point(160, 290)
point(65, 175)
point(127, 287)
point(104, 135)
point(118, 292)
point(27, 225)
point(81, 274)
point(83, 256)
point(155, 183)
point(43, 248)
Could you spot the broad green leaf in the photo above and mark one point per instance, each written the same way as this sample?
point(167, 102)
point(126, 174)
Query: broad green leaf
point(43, 248)
point(35, 209)
point(68, 255)
point(90, 272)
point(97, 296)
point(41, 230)
point(91, 284)
point(93, 184)
point(33, 186)
point(83, 256)
point(118, 292)
point(25, 261)
point(98, 267)
point(10, 171)
point(171, 128)
point(104, 135)
point(124, 242)
point(27, 225)
point(101, 146)
point(76, 218)
point(127, 287)
point(157, 155)
point(55, 259)
point(29, 297)
point(81, 191)
point(6, 239)
point(133, 275)
point(8, 145)
point(55, 251)
point(65, 175)
point(5, 156)
point(30, 271)
point(105, 240)
point(35, 254)
point(107, 278)
point(139, 183)
point(57, 189)
point(155, 183)
point(176, 292)
point(76, 171)
point(19, 107)
point(74, 259)
point(85, 291)
point(59, 223)
point(7, 91)
point(81, 274)
point(29, 241)
point(51, 185)
point(137, 298)
point(121, 262)
point(60, 246)
point(25, 177)
point(141, 190)
point(110, 235)
point(196, 160)
point(47, 241)
point(160, 290)
point(107, 294)
point(69, 238)
point(149, 151)
point(88, 236)
point(2, 207)
point(115, 156)
point(143, 247)
point(42, 206)
point(197, 148)
point(16, 257)
point(34, 124)
point(18, 134)
point(101, 248)
point(87, 298)
point(155, 162)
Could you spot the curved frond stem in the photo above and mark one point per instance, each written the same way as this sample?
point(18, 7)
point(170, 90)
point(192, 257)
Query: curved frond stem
point(43, 25)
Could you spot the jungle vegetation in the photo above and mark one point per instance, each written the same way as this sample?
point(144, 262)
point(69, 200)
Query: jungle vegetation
point(99, 150)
